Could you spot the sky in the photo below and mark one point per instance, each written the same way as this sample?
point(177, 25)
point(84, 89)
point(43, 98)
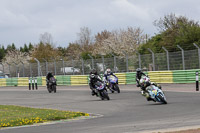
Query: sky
point(23, 21)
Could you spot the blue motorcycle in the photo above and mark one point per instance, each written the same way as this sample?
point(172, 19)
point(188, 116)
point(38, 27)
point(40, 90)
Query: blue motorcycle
point(113, 84)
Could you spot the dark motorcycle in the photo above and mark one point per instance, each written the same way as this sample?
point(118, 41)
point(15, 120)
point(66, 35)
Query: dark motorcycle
point(52, 85)
point(100, 90)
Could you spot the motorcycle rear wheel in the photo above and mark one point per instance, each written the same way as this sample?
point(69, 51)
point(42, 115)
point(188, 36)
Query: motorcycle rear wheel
point(117, 88)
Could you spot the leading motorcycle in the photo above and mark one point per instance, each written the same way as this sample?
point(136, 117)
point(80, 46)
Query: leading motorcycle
point(156, 94)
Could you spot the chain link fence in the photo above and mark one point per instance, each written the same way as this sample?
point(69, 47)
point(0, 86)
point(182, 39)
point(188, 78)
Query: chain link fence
point(150, 62)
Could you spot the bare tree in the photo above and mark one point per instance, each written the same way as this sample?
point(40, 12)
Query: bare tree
point(46, 38)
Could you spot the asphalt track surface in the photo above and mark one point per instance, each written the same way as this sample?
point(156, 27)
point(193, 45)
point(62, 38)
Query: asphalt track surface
point(127, 112)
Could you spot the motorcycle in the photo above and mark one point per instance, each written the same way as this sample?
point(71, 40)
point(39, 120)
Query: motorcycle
point(156, 94)
point(52, 85)
point(100, 90)
point(113, 84)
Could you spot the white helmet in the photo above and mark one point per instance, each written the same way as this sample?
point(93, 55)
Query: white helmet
point(108, 71)
point(144, 81)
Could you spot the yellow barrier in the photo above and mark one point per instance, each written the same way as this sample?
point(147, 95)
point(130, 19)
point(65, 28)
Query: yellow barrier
point(79, 80)
point(23, 81)
point(161, 76)
point(121, 78)
point(43, 81)
point(3, 82)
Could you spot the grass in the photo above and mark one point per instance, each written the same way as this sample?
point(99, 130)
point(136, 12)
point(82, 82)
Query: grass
point(17, 116)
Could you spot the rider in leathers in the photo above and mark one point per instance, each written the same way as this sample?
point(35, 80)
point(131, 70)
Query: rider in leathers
point(139, 75)
point(93, 78)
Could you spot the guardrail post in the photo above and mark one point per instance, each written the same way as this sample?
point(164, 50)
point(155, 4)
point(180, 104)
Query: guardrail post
point(92, 60)
point(54, 66)
point(73, 65)
point(38, 66)
point(23, 68)
point(183, 58)
point(114, 62)
point(153, 58)
point(16, 68)
point(139, 59)
point(126, 55)
point(46, 65)
point(63, 65)
point(198, 52)
point(167, 53)
point(103, 62)
point(82, 61)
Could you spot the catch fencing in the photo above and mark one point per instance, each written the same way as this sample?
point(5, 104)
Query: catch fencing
point(182, 60)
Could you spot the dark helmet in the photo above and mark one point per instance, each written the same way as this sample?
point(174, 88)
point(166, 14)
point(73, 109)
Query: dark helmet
point(138, 70)
point(94, 71)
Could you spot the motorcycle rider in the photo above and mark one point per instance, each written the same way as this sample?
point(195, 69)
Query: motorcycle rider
point(49, 75)
point(107, 73)
point(93, 78)
point(144, 84)
point(139, 75)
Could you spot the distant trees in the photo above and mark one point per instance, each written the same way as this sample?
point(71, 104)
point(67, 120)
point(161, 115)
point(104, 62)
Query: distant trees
point(173, 30)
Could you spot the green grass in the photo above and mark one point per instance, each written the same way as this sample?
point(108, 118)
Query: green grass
point(17, 116)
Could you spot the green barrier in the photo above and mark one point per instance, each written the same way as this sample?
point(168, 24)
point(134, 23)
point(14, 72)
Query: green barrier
point(63, 80)
point(184, 76)
point(176, 76)
point(12, 82)
point(130, 78)
point(39, 80)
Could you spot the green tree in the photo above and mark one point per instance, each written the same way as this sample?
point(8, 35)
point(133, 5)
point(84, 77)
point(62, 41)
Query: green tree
point(173, 31)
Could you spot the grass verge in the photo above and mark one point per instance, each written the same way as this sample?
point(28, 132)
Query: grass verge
point(17, 116)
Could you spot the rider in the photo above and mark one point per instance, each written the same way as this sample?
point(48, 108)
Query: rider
point(93, 78)
point(107, 73)
point(139, 75)
point(49, 75)
point(144, 83)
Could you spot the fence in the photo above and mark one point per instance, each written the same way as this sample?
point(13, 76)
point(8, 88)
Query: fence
point(182, 60)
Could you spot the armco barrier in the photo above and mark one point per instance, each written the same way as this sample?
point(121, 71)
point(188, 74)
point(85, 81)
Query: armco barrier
point(161, 76)
point(184, 76)
point(176, 76)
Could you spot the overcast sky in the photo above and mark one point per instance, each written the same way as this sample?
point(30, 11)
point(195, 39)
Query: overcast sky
point(22, 21)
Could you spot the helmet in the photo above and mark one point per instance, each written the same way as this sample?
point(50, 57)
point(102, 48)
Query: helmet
point(138, 70)
point(144, 81)
point(92, 76)
point(94, 71)
point(108, 71)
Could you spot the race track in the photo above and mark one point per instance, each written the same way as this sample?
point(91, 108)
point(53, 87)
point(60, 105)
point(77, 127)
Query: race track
point(127, 112)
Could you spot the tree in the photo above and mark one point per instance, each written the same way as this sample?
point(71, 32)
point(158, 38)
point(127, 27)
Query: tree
point(46, 38)
point(173, 31)
point(120, 41)
point(45, 51)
